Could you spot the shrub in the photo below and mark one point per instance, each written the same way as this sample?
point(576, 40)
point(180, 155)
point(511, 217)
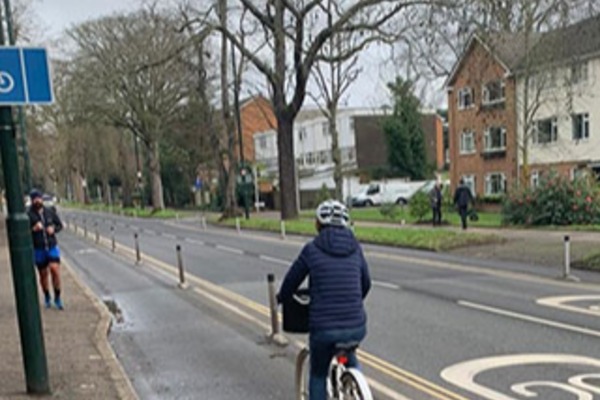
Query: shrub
point(420, 206)
point(390, 211)
point(324, 194)
point(556, 201)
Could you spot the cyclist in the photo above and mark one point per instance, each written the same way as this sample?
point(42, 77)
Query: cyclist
point(338, 283)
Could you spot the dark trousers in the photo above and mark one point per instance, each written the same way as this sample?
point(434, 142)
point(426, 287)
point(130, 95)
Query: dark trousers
point(464, 214)
point(437, 215)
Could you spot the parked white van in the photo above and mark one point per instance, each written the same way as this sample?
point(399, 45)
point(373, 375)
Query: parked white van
point(392, 191)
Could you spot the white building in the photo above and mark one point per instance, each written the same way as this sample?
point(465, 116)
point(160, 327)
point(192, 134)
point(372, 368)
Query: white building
point(312, 149)
point(564, 102)
point(312, 141)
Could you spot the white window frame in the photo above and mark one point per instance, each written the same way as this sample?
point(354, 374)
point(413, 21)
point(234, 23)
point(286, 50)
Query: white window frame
point(310, 158)
point(486, 93)
point(471, 181)
point(325, 129)
point(302, 134)
point(553, 133)
point(463, 150)
point(487, 138)
point(585, 124)
point(462, 94)
point(488, 180)
point(262, 142)
point(579, 72)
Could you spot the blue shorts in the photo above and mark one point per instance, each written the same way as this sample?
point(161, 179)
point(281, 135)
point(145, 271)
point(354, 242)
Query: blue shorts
point(44, 257)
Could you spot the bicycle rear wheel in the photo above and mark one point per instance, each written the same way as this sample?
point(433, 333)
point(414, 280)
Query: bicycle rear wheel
point(354, 386)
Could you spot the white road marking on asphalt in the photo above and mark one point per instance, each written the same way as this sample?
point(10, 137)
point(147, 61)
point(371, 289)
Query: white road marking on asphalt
point(169, 235)
point(86, 251)
point(524, 317)
point(464, 374)
point(150, 231)
point(560, 302)
point(230, 250)
point(198, 242)
point(275, 260)
point(386, 285)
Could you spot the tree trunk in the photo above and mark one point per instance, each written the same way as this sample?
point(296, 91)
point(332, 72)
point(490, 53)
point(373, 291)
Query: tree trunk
point(287, 166)
point(126, 181)
point(76, 181)
point(158, 201)
point(336, 154)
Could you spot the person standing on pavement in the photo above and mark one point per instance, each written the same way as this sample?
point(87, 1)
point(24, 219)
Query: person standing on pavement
point(462, 199)
point(435, 197)
point(45, 224)
point(338, 283)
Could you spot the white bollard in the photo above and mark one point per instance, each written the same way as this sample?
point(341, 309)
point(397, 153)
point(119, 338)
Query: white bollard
point(204, 223)
point(567, 270)
point(238, 227)
point(283, 233)
point(177, 216)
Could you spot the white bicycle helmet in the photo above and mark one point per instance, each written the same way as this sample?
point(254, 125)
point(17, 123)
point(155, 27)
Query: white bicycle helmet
point(333, 213)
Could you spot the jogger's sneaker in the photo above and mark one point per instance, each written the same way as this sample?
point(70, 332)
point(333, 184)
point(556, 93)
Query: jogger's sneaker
point(47, 301)
point(58, 303)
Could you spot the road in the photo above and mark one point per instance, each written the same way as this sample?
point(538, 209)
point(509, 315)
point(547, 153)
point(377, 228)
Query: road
point(440, 327)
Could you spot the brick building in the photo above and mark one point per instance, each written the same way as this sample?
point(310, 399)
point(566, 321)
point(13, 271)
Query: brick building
point(518, 100)
point(257, 116)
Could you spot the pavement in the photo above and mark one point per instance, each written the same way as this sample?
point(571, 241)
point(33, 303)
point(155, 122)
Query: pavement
point(81, 363)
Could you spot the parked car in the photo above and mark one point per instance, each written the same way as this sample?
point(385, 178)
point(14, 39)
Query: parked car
point(398, 192)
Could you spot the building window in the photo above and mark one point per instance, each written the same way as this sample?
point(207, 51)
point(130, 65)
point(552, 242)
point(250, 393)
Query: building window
point(495, 184)
point(324, 157)
point(470, 183)
point(300, 161)
point(535, 179)
point(495, 139)
point(262, 142)
point(465, 98)
point(325, 129)
point(546, 131)
point(302, 134)
point(494, 92)
point(579, 73)
point(467, 142)
point(581, 126)
point(310, 158)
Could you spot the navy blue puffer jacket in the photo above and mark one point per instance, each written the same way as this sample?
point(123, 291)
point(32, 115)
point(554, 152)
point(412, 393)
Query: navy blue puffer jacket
point(338, 280)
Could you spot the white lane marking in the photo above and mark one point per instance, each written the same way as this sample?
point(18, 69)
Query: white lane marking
point(230, 250)
point(86, 251)
point(169, 235)
point(464, 374)
point(275, 260)
point(528, 318)
point(386, 285)
point(198, 242)
point(150, 231)
point(560, 302)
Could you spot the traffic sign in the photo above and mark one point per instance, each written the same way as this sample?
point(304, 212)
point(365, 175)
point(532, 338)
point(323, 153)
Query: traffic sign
point(24, 76)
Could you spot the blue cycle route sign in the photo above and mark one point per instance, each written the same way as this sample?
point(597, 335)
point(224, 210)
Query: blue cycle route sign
point(24, 76)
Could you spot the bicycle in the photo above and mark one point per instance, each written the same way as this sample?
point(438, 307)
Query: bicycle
point(344, 382)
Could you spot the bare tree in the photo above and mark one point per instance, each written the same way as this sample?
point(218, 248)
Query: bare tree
point(132, 66)
point(334, 76)
point(288, 49)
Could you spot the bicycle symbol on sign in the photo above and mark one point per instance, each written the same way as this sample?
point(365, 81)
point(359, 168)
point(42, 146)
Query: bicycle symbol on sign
point(7, 82)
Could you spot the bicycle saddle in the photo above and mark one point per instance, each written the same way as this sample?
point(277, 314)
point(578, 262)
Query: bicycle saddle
point(347, 346)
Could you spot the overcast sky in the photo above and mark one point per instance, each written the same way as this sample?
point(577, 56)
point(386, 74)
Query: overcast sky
point(57, 15)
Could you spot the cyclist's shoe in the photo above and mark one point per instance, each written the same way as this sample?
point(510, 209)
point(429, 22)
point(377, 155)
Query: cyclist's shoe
point(47, 301)
point(59, 304)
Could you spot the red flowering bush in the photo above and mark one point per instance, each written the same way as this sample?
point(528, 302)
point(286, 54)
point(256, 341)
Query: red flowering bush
point(556, 201)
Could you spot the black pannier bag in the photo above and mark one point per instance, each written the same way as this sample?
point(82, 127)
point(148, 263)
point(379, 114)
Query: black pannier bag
point(295, 312)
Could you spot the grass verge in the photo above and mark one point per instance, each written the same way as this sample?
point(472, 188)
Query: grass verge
point(131, 212)
point(590, 262)
point(422, 238)
point(372, 214)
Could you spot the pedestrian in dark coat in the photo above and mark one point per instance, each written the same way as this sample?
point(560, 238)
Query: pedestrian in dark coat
point(435, 197)
point(462, 199)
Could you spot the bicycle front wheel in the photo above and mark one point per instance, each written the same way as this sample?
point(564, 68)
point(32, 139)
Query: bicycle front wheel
point(354, 386)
